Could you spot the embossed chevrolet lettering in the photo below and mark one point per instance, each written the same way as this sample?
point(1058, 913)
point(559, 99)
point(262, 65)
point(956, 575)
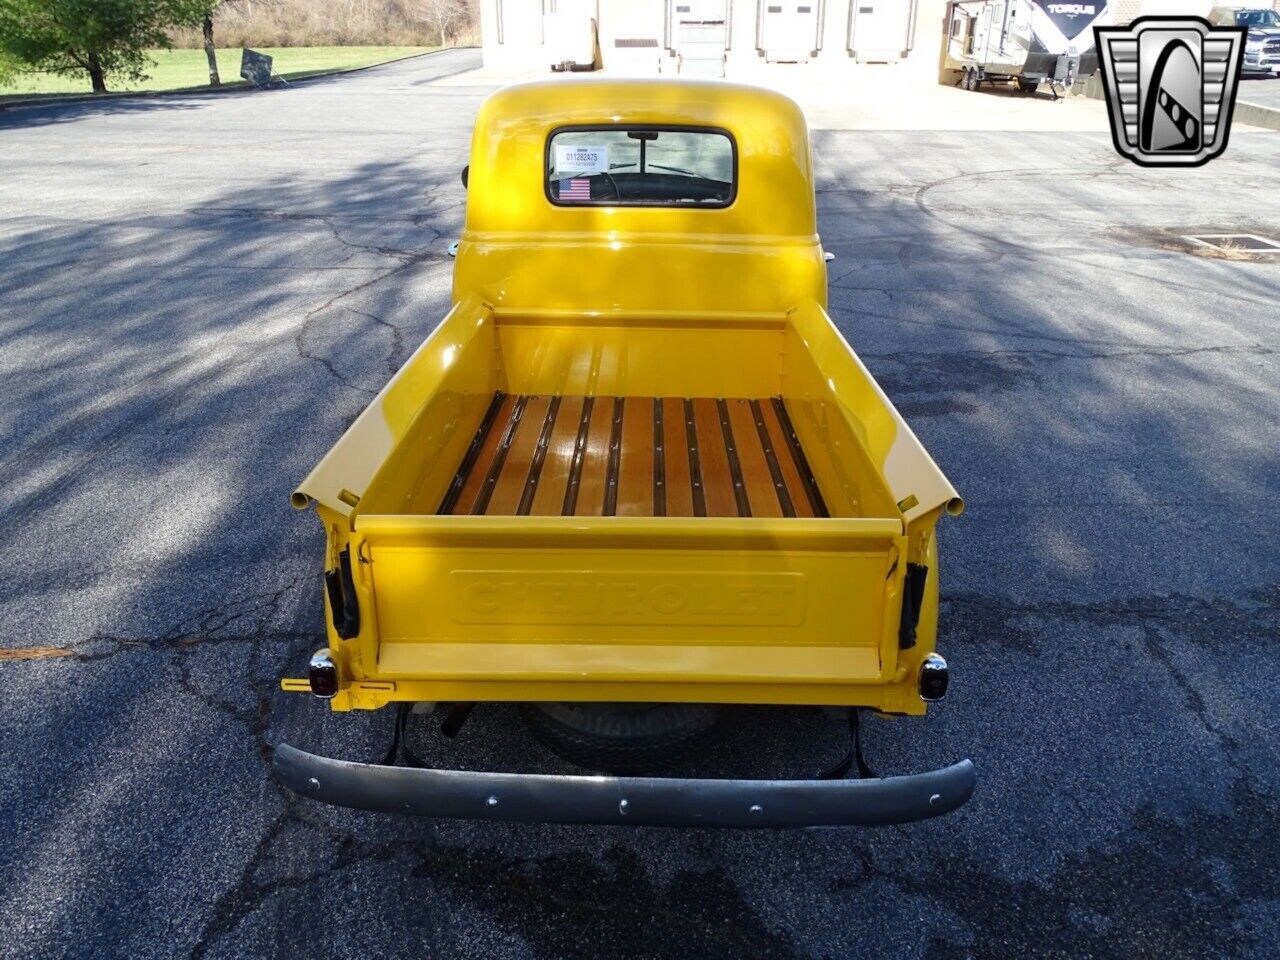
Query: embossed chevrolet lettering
point(583, 597)
point(635, 475)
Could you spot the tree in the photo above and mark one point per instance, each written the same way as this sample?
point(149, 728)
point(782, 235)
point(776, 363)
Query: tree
point(444, 15)
point(210, 51)
point(207, 11)
point(99, 37)
point(8, 67)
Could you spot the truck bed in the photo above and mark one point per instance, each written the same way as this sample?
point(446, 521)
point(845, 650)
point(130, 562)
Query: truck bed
point(550, 455)
point(552, 506)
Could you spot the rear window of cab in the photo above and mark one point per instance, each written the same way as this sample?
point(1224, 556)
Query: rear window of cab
point(641, 166)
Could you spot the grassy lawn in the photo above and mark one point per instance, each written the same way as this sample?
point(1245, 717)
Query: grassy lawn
point(175, 69)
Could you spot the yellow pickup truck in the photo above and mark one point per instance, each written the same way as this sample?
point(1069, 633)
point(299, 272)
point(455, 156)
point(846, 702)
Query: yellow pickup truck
point(635, 475)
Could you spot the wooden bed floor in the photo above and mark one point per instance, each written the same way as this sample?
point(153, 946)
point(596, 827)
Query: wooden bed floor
point(634, 457)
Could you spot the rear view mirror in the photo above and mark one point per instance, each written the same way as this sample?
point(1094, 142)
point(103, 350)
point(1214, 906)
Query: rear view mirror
point(465, 171)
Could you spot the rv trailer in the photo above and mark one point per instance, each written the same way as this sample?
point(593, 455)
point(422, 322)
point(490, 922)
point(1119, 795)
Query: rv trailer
point(1024, 42)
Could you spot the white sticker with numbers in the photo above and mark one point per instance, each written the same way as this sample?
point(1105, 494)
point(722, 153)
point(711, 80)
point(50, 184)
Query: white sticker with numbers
point(581, 158)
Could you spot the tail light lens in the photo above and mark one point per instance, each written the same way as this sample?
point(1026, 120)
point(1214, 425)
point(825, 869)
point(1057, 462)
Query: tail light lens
point(933, 678)
point(323, 675)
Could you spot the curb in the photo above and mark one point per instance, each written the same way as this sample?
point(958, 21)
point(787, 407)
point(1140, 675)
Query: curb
point(226, 89)
point(1254, 114)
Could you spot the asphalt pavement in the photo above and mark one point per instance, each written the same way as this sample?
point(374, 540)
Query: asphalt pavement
point(197, 295)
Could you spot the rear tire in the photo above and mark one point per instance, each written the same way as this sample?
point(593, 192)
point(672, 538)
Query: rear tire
point(624, 738)
point(1028, 86)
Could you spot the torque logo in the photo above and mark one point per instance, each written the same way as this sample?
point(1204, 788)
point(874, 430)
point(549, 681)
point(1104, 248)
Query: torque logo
point(1171, 87)
point(1072, 9)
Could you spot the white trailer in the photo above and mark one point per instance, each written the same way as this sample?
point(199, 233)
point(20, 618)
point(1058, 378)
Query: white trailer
point(1023, 42)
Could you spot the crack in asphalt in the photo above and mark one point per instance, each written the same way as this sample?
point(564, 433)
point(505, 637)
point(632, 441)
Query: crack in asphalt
point(327, 221)
point(699, 910)
point(396, 357)
point(1173, 890)
point(932, 382)
point(973, 618)
point(218, 627)
point(981, 619)
point(73, 430)
point(1077, 914)
point(397, 345)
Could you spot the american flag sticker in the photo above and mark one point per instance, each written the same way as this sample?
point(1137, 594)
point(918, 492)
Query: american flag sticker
point(578, 188)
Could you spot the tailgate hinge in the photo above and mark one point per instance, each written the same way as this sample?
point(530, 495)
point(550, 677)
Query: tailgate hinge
point(912, 598)
point(343, 604)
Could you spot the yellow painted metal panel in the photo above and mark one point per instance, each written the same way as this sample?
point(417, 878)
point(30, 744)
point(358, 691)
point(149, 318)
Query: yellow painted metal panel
point(539, 599)
point(512, 127)
point(734, 533)
point(820, 370)
point(448, 379)
point(680, 359)
point(618, 301)
point(760, 253)
point(897, 697)
point(673, 662)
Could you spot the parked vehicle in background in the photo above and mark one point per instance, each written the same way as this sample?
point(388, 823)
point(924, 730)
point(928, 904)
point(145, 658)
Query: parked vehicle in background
point(1022, 42)
point(1261, 45)
point(635, 475)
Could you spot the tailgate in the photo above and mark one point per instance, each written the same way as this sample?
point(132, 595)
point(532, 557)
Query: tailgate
point(636, 600)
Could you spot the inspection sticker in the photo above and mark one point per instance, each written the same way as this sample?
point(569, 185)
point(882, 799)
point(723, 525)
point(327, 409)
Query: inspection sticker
point(581, 158)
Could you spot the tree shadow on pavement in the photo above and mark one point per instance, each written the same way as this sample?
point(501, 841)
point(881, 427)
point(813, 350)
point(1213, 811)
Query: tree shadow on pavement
point(171, 376)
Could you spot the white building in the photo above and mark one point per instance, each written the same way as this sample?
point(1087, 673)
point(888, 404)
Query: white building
point(744, 38)
point(702, 37)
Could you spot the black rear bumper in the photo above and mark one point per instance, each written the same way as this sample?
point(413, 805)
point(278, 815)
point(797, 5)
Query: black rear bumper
point(636, 801)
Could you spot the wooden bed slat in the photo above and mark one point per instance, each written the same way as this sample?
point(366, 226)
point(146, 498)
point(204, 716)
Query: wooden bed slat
point(539, 457)
point(786, 462)
point(635, 474)
point(574, 483)
point(807, 478)
point(613, 468)
point(766, 499)
point(595, 460)
point(492, 437)
point(675, 452)
point(503, 487)
point(735, 464)
point(717, 479)
point(473, 453)
point(636, 457)
point(553, 484)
